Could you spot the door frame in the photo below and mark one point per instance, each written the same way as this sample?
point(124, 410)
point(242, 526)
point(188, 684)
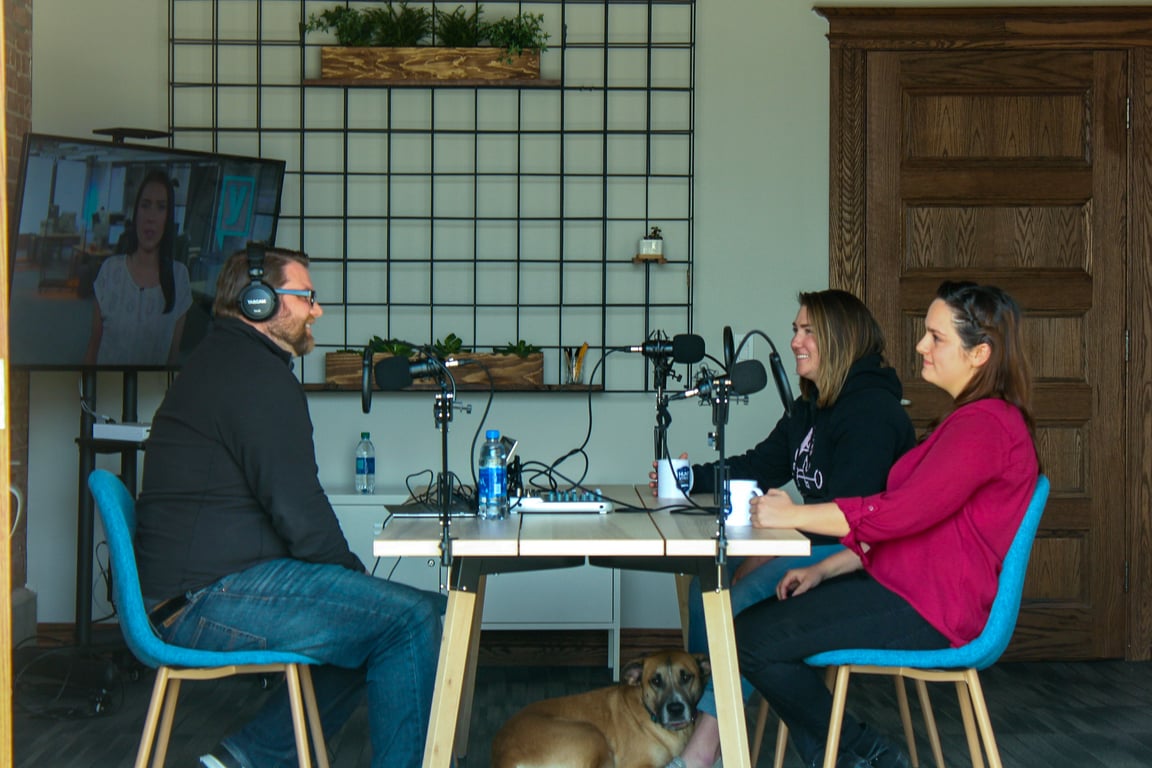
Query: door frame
point(853, 32)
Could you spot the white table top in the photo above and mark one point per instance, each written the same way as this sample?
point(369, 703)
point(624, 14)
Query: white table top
point(617, 534)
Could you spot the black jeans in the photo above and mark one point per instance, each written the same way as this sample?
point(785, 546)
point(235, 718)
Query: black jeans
point(853, 611)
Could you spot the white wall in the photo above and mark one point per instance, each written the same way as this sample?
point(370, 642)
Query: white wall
point(761, 236)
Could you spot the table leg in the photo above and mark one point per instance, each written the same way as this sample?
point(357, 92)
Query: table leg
point(462, 727)
point(726, 678)
point(450, 677)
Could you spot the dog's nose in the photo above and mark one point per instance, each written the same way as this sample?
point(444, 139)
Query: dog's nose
point(676, 709)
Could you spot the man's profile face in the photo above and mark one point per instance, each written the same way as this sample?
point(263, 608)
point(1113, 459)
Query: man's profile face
point(291, 328)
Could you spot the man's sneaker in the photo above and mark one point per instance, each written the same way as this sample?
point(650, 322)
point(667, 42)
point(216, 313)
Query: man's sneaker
point(219, 758)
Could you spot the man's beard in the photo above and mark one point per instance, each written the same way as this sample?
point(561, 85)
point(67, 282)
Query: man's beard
point(295, 336)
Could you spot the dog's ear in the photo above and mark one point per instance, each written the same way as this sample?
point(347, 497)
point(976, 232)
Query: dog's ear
point(633, 672)
point(704, 664)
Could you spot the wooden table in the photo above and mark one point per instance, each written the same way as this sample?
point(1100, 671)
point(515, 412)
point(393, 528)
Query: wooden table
point(650, 538)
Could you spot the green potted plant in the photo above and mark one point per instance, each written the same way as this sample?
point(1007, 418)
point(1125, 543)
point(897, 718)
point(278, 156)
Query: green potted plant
point(389, 25)
point(457, 28)
point(519, 348)
point(519, 35)
point(389, 44)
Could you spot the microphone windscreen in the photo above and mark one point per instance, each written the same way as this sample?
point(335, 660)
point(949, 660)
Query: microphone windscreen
point(687, 348)
point(393, 373)
point(782, 384)
point(748, 377)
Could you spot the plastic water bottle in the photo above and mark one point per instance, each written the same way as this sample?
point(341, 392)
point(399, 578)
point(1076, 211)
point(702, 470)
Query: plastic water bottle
point(365, 465)
point(492, 482)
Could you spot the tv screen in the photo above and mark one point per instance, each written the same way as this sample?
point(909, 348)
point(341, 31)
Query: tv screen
point(115, 249)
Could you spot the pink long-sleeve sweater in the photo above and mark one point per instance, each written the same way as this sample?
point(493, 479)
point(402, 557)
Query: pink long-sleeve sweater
point(939, 533)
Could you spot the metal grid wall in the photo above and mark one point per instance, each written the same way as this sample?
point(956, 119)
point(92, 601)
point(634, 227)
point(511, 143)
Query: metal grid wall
point(495, 212)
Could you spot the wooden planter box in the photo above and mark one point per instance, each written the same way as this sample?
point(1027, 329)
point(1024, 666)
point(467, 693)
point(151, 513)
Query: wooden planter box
point(425, 63)
point(343, 370)
point(508, 371)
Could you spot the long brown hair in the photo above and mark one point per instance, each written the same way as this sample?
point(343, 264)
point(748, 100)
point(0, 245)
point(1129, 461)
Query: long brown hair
point(167, 240)
point(985, 314)
point(845, 332)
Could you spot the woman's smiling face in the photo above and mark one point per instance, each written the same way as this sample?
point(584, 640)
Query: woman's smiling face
point(804, 346)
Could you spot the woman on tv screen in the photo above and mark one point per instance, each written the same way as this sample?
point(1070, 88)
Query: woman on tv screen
point(142, 293)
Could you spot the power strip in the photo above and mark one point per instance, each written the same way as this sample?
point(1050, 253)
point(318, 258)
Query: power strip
point(130, 432)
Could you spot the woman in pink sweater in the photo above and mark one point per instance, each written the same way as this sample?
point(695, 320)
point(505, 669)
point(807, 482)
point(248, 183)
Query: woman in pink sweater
point(922, 558)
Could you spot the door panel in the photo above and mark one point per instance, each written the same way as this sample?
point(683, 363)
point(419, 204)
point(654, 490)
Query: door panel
point(1009, 168)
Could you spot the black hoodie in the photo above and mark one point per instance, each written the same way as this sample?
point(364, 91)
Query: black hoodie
point(845, 449)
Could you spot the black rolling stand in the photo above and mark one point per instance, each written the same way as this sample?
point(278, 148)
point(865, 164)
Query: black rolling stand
point(82, 679)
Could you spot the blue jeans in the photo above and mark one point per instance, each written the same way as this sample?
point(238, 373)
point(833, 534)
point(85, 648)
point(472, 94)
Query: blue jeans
point(755, 587)
point(368, 633)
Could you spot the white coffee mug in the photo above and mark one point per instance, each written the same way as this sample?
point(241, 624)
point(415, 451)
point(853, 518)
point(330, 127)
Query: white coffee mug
point(741, 493)
point(673, 478)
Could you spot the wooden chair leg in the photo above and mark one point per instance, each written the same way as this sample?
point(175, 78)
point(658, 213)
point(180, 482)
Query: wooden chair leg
point(758, 730)
point(152, 719)
point(299, 728)
point(969, 724)
point(781, 745)
point(166, 716)
point(906, 718)
point(839, 698)
point(983, 718)
point(930, 722)
point(315, 725)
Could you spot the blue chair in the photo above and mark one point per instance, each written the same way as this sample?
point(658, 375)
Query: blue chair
point(173, 663)
point(958, 665)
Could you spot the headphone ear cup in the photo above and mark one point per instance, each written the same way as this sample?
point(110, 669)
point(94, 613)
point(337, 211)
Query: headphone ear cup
point(258, 301)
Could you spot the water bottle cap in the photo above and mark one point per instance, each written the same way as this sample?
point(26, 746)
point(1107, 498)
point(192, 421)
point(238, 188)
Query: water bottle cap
point(364, 435)
point(492, 434)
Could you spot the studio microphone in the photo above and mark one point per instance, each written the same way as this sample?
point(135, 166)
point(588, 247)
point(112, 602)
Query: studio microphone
point(682, 348)
point(746, 377)
point(782, 384)
point(394, 373)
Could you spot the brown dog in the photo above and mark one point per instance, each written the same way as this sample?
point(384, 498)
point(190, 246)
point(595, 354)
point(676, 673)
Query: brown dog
point(643, 722)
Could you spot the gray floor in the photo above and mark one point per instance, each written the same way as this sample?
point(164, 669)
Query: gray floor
point(1088, 715)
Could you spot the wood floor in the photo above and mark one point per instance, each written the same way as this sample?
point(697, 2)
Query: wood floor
point(1087, 715)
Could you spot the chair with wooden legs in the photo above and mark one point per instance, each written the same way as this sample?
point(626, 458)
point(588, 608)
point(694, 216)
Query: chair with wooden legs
point(957, 665)
point(174, 664)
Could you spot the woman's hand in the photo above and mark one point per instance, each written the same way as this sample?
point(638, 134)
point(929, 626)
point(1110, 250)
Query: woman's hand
point(799, 580)
point(748, 565)
point(773, 509)
point(652, 475)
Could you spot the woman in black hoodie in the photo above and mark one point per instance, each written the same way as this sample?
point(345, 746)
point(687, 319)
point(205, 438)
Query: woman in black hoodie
point(846, 430)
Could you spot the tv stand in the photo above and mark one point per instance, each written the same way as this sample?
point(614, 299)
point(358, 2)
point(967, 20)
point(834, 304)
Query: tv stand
point(86, 507)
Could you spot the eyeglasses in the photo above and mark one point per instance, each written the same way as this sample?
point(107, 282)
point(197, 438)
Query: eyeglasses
point(307, 293)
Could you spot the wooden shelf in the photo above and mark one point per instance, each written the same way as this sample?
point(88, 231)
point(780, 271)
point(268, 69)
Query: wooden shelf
point(461, 388)
point(431, 83)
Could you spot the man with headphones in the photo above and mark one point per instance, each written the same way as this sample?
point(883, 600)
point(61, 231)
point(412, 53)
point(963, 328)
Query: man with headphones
point(236, 542)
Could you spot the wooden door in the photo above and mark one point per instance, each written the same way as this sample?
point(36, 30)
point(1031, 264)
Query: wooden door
point(1009, 167)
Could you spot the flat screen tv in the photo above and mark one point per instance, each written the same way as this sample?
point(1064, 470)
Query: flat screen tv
point(115, 249)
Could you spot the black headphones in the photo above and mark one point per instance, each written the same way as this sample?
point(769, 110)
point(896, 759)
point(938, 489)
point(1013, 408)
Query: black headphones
point(258, 300)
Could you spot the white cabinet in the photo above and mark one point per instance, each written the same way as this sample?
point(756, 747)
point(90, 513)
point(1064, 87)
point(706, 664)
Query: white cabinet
point(586, 597)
